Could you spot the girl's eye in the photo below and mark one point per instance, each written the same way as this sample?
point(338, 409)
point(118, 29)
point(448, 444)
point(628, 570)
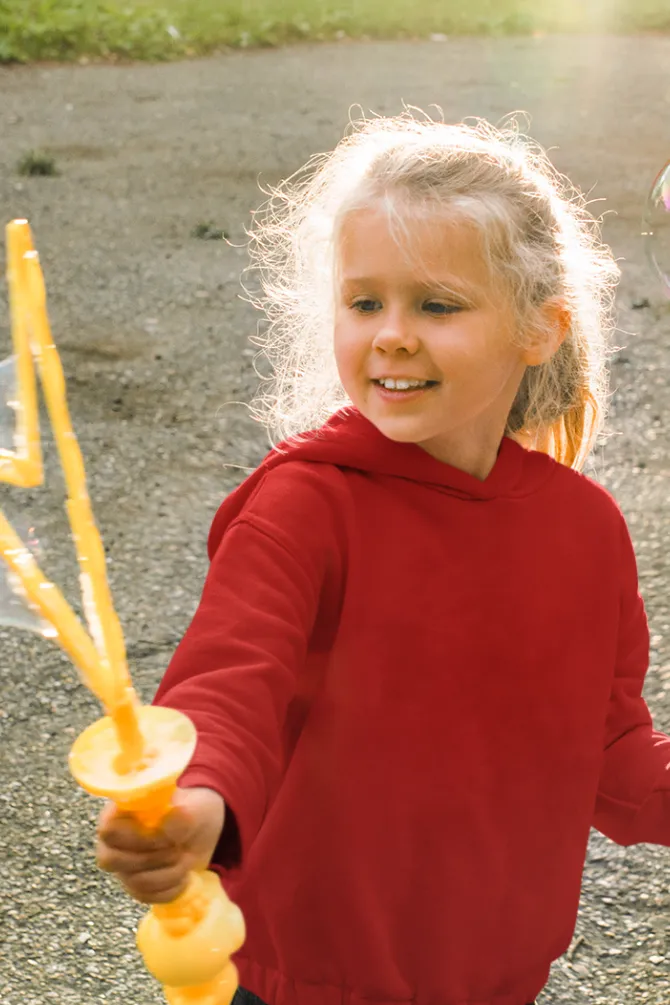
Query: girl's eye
point(364, 306)
point(440, 309)
point(368, 306)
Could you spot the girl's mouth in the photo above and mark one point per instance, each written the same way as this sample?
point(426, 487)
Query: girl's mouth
point(403, 390)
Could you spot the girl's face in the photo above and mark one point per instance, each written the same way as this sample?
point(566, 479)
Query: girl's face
point(396, 322)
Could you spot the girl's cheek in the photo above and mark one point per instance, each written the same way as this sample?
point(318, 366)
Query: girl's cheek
point(348, 348)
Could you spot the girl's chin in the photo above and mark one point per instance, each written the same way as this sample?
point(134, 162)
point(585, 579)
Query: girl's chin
point(401, 430)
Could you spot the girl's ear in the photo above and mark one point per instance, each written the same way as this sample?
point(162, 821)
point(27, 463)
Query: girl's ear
point(552, 330)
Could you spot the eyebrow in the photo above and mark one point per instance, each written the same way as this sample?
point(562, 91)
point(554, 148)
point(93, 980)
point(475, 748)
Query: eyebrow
point(448, 285)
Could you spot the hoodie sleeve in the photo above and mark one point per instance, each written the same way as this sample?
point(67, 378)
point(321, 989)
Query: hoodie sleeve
point(633, 802)
point(236, 670)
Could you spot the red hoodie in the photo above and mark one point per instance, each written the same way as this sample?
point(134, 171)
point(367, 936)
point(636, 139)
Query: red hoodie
point(416, 692)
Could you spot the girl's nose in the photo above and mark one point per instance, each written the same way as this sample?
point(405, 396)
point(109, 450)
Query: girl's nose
point(395, 335)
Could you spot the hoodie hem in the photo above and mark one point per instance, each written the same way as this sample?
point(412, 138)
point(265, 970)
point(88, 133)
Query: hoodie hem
point(276, 988)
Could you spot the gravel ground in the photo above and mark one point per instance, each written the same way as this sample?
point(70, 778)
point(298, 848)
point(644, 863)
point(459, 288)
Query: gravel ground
point(153, 340)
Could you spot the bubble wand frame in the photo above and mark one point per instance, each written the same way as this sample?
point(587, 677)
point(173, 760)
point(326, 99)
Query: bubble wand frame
point(136, 753)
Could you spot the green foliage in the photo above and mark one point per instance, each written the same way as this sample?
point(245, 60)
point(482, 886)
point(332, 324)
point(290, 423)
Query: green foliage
point(36, 163)
point(68, 29)
point(168, 29)
point(208, 232)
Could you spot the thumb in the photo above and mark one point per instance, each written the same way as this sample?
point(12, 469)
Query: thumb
point(178, 824)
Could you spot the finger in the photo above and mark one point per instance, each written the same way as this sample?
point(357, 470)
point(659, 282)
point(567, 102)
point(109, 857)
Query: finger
point(107, 812)
point(158, 887)
point(124, 832)
point(111, 859)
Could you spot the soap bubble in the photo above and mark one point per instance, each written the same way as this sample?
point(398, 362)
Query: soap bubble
point(16, 610)
point(8, 404)
point(657, 226)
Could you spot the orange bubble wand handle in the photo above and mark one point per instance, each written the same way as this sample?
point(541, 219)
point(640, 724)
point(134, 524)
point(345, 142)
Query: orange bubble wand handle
point(186, 944)
point(135, 754)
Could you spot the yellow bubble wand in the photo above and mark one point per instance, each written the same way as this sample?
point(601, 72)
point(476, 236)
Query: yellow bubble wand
point(136, 753)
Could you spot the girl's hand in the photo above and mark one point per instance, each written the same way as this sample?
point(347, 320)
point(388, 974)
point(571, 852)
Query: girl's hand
point(153, 865)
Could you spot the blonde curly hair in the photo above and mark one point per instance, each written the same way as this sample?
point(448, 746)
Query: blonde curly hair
point(538, 237)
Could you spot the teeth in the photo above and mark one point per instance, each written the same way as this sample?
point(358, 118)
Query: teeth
point(401, 385)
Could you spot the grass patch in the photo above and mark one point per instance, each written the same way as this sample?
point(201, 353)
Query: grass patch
point(168, 29)
point(65, 30)
point(37, 164)
point(208, 232)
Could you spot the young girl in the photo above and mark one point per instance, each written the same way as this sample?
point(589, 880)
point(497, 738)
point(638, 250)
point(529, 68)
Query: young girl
point(416, 668)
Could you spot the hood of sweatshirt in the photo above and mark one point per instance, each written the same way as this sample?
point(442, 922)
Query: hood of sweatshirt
point(349, 440)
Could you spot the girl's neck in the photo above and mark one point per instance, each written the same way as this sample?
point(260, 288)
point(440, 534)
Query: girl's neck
point(477, 457)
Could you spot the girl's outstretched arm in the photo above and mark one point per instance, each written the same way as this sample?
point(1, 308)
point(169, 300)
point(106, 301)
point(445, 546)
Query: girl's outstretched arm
point(242, 662)
point(633, 804)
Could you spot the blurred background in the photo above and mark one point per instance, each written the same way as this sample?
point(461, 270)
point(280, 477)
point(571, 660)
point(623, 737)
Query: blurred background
point(138, 138)
point(166, 29)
